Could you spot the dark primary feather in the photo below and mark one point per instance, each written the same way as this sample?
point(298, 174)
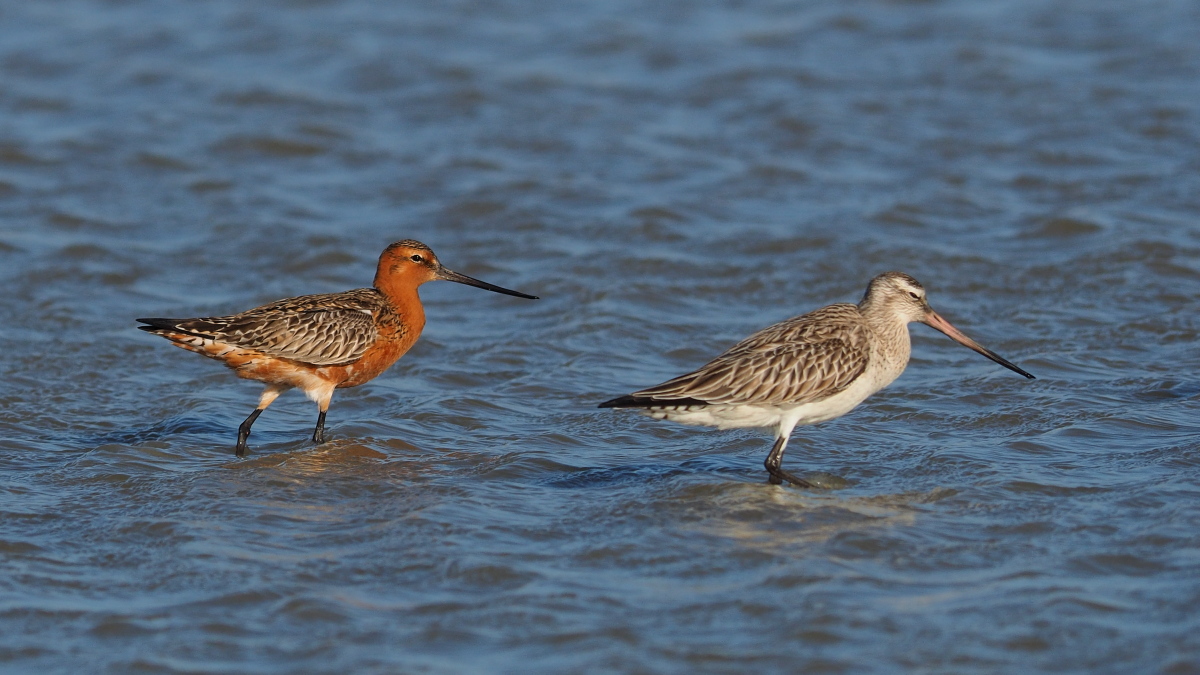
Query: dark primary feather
point(629, 401)
point(320, 330)
point(804, 359)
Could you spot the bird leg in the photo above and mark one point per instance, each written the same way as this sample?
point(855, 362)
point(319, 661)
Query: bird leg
point(774, 466)
point(322, 397)
point(319, 432)
point(269, 394)
point(244, 432)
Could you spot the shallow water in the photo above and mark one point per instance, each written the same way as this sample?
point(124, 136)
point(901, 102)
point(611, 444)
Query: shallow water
point(668, 177)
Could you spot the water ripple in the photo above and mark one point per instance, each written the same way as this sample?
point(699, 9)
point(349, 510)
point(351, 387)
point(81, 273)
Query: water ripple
point(669, 178)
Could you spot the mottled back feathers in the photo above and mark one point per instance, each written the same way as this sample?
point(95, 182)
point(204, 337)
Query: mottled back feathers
point(320, 330)
point(804, 359)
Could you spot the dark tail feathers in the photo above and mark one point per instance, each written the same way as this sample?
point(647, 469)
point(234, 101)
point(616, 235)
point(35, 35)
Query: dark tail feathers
point(629, 401)
point(157, 324)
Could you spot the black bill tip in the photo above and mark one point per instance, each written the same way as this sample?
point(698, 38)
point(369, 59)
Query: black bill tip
point(448, 275)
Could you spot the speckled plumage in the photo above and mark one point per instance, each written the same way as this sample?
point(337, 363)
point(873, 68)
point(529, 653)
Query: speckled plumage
point(317, 330)
point(805, 370)
point(320, 343)
point(804, 359)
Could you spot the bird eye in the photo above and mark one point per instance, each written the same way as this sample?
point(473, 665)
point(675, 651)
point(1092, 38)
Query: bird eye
point(416, 258)
point(913, 295)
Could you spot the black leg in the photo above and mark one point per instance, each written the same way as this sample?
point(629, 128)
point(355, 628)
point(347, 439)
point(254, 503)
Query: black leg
point(244, 432)
point(319, 432)
point(774, 466)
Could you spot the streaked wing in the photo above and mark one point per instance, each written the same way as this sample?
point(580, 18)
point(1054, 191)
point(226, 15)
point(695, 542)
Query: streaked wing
point(804, 359)
point(320, 330)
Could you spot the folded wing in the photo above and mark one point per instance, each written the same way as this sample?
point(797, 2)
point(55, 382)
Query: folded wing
point(319, 330)
point(801, 360)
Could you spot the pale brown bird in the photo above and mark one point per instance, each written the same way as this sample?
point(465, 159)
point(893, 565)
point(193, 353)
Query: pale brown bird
point(805, 370)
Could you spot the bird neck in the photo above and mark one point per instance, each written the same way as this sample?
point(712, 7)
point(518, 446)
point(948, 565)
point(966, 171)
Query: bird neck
point(402, 295)
point(895, 344)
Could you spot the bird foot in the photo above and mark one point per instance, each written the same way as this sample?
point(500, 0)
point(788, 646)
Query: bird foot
point(778, 476)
